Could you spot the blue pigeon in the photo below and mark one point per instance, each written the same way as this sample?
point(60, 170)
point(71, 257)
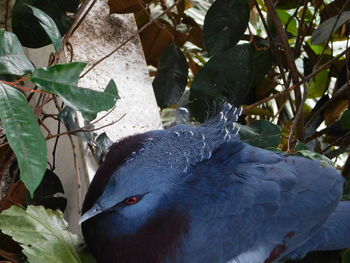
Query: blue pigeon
point(201, 195)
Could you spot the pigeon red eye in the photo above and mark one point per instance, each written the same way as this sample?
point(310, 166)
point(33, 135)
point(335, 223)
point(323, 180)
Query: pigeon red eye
point(132, 200)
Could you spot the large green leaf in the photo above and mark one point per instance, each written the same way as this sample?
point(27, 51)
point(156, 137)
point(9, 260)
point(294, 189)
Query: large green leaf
point(227, 77)
point(24, 135)
point(12, 58)
point(27, 27)
point(261, 133)
point(171, 79)
point(43, 235)
point(63, 79)
point(326, 29)
point(224, 25)
point(49, 26)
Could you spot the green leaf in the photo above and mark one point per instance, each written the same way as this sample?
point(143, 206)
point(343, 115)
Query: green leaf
point(43, 235)
point(12, 58)
point(316, 156)
point(318, 85)
point(27, 27)
point(285, 18)
point(24, 136)
point(227, 77)
point(49, 26)
point(171, 79)
point(345, 120)
point(326, 29)
point(68, 117)
point(103, 143)
point(224, 25)
point(261, 133)
point(63, 80)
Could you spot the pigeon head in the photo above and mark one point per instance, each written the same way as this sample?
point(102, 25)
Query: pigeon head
point(136, 190)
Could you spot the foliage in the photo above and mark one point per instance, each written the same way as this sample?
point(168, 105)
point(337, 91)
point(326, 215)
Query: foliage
point(43, 235)
point(286, 65)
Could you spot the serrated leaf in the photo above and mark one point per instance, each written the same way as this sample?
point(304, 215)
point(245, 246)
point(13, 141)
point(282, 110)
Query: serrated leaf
point(316, 156)
point(43, 234)
point(224, 25)
point(24, 136)
point(171, 79)
point(227, 77)
point(49, 26)
point(326, 29)
point(63, 79)
point(261, 133)
point(27, 27)
point(345, 120)
point(12, 58)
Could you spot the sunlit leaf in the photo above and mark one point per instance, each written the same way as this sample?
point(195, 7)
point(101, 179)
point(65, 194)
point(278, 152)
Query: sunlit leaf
point(49, 26)
point(326, 29)
point(171, 79)
point(63, 80)
point(224, 25)
point(287, 19)
point(12, 58)
point(24, 135)
point(43, 235)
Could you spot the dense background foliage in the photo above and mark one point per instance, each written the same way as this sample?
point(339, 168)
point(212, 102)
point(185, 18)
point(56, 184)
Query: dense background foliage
point(285, 62)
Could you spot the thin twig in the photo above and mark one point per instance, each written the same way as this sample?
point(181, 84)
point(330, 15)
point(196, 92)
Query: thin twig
point(285, 44)
point(131, 37)
point(343, 137)
point(335, 96)
point(84, 129)
point(308, 77)
point(272, 44)
point(297, 118)
point(77, 21)
point(14, 84)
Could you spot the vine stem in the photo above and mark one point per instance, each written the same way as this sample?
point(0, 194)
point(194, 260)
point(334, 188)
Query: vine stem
point(14, 84)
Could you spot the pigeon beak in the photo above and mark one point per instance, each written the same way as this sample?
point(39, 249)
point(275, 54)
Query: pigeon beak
point(95, 210)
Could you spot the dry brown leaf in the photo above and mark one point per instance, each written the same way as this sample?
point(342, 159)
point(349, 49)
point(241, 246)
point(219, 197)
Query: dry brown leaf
point(127, 6)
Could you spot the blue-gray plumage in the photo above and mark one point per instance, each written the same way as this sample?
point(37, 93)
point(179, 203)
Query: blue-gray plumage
point(199, 194)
